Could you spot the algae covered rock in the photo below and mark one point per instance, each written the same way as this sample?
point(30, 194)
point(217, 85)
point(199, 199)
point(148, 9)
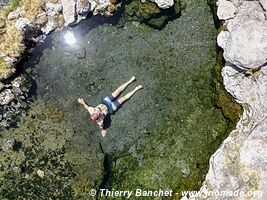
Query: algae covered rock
point(149, 13)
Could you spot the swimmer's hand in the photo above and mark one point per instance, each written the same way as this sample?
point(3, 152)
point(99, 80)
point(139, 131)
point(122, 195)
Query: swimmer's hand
point(80, 101)
point(104, 133)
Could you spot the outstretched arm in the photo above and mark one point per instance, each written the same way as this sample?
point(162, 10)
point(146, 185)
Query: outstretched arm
point(87, 107)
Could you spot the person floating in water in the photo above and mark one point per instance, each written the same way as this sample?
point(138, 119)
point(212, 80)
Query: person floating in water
point(109, 105)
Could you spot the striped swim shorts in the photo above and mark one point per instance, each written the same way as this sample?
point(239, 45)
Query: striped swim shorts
point(111, 103)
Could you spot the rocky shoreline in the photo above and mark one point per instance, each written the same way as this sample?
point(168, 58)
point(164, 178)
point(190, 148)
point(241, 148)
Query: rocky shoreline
point(239, 165)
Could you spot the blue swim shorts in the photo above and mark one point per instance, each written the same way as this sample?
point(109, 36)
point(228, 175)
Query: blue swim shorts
point(111, 103)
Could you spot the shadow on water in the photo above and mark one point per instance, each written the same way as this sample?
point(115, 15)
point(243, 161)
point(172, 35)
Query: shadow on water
point(92, 22)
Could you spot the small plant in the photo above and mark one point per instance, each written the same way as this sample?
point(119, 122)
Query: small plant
point(4, 11)
point(6, 69)
point(14, 4)
point(32, 8)
point(11, 42)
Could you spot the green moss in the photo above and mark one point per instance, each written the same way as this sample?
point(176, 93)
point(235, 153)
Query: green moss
point(157, 22)
point(14, 4)
point(149, 13)
point(26, 184)
point(225, 101)
point(141, 11)
point(146, 10)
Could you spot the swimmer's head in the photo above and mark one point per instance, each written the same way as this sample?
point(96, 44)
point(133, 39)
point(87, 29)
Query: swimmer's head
point(95, 115)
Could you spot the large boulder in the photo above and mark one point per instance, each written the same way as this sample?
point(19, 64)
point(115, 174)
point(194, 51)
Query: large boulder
point(226, 9)
point(15, 14)
point(53, 13)
point(69, 11)
point(245, 40)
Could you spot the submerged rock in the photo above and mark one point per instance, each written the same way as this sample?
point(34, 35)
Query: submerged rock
point(40, 173)
point(13, 100)
point(151, 14)
point(8, 145)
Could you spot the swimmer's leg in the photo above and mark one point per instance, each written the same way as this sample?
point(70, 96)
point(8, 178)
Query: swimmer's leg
point(122, 87)
point(129, 95)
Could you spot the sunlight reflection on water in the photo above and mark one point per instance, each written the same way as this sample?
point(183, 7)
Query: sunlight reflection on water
point(70, 38)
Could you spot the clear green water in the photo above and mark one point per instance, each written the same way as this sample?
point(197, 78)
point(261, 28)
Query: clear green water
point(161, 139)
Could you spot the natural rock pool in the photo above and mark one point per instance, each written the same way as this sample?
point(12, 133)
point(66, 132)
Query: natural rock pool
point(161, 139)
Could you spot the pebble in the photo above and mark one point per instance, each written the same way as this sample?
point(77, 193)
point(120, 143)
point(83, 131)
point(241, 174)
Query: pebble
point(40, 173)
point(8, 144)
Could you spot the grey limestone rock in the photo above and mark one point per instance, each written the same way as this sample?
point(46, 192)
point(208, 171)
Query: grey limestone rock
point(245, 40)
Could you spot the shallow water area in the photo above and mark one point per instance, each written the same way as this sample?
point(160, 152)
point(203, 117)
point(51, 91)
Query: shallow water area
point(161, 138)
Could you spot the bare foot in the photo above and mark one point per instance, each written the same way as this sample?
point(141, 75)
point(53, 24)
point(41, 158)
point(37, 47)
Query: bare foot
point(133, 79)
point(139, 87)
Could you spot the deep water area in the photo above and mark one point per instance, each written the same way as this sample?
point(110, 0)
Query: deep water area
point(162, 138)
